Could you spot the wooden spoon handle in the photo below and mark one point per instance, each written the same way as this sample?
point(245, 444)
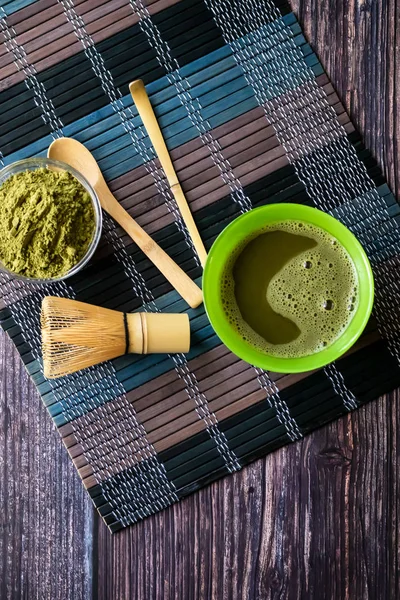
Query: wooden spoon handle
point(148, 117)
point(185, 286)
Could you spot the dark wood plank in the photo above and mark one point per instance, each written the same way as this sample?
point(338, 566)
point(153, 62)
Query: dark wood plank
point(357, 43)
point(315, 520)
point(46, 533)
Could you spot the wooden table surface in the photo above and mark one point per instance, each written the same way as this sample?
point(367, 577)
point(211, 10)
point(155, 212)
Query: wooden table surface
point(317, 519)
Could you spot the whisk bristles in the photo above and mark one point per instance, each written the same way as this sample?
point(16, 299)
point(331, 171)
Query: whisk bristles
point(76, 335)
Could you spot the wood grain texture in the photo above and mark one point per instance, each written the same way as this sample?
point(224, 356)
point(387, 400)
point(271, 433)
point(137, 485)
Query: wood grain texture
point(316, 520)
point(46, 518)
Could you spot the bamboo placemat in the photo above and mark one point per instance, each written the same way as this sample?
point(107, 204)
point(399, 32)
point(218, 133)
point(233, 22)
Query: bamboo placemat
point(250, 118)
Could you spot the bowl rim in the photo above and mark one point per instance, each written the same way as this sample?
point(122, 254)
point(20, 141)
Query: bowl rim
point(243, 227)
point(38, 162)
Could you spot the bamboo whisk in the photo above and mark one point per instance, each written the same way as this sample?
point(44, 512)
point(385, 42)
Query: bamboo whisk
point(76, 335)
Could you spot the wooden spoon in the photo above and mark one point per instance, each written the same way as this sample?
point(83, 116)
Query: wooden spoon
point(145, 110)
point(75, 154)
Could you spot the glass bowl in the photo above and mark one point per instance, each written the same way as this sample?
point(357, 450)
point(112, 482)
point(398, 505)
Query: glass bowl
point(31, 164)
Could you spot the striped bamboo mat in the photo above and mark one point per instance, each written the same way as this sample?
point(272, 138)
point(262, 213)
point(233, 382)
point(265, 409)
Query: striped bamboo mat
point(250, 118)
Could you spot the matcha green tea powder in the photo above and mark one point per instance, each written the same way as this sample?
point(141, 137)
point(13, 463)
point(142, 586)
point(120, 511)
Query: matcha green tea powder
point(46, 223)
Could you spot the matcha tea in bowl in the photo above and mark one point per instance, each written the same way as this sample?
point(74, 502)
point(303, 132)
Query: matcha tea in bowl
point(50, 220)
point(288, 288)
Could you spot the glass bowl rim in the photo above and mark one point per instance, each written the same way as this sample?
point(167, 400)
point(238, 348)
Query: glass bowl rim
point(31, 164)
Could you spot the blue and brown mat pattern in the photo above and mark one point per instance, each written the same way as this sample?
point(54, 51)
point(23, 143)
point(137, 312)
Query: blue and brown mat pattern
point(250, 118)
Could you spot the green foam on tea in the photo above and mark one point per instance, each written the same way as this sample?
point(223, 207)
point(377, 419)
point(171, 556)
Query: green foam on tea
point(291, 290)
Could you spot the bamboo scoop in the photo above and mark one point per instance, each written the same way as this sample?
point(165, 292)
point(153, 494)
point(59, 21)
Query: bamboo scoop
point(148, 117)
point(75, 154)
point(76, 335)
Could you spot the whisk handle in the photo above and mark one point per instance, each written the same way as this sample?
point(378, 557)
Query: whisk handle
point(153, 333)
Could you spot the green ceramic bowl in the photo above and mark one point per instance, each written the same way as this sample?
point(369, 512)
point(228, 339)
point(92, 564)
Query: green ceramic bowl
point(242, 228)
